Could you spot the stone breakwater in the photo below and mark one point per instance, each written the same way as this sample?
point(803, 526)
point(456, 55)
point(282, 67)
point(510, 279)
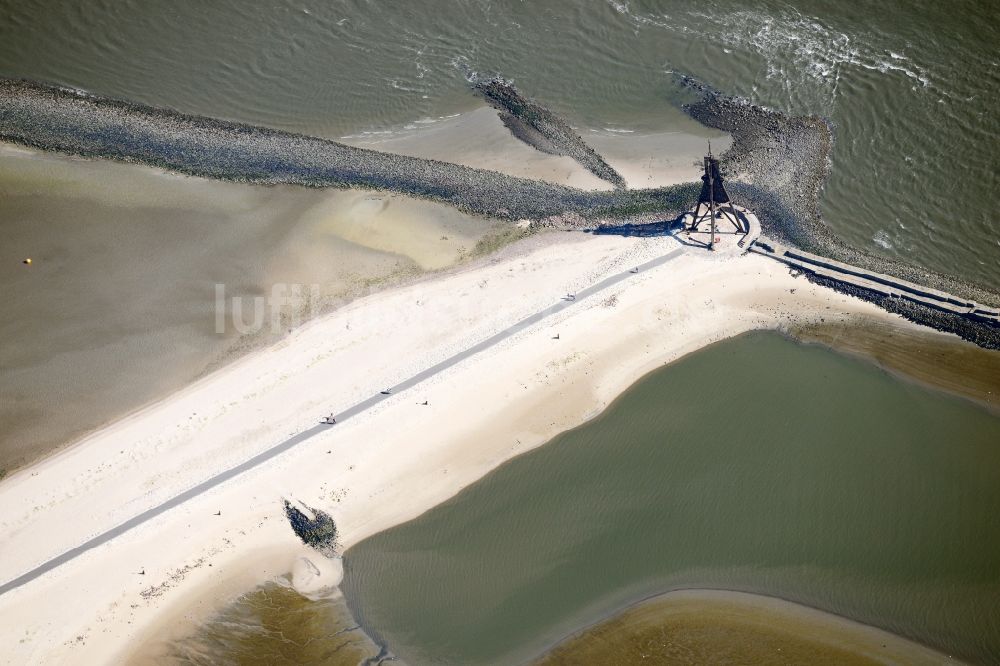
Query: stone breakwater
point(984, 335)
point(778, 166)
point(319, 531)
point(534, 124)
point(67, 121)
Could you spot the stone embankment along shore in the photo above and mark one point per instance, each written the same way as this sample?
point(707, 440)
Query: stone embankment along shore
point(885, 285)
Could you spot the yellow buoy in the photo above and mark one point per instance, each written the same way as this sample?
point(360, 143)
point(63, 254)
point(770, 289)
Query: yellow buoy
point(28, 261)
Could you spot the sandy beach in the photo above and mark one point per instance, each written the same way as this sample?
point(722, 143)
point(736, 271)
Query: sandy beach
point(382, 467)
point(105, 322)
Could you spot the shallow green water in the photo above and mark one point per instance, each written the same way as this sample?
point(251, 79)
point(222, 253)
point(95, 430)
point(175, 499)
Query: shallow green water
point(911, 85)
point(757, 465)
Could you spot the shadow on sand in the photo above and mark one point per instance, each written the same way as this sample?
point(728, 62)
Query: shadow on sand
point(663, 228)
point(649, 229)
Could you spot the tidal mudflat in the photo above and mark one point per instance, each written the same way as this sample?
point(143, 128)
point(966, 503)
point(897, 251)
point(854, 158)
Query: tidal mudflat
point(270, 624)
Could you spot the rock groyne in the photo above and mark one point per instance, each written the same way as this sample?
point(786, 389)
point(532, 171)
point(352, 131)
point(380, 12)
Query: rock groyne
point(534, 124)
point(67, 121)
point(318, 531)
point(777, 167)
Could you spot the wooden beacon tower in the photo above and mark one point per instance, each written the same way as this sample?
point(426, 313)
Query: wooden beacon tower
point(714, 203)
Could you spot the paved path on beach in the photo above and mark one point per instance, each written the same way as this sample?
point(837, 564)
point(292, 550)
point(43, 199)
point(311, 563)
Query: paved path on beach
point(350, 412)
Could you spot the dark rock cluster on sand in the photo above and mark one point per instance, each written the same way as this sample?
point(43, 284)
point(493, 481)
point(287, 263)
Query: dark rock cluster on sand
point(319, 532)
point(534, 124)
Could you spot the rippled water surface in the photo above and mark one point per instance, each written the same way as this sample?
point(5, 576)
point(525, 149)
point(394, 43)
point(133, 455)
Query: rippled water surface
point(911, 86)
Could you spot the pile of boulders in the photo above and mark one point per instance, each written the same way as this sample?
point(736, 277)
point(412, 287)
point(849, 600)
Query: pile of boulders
point(318, 531)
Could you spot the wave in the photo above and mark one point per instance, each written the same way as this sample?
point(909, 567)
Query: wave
point(802, 53)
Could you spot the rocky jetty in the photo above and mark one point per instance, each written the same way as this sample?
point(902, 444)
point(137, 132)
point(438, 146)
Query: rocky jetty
point(983, 334)
point(58, 119)
point(534, 124)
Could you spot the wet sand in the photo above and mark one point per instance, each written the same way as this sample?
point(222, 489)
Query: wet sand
point(384, 467)
point(733, 628)
point(270, 624)
point(371, 247)
point(273, 623)
point(931, 358)
point(62, 120)
point(720, 627)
